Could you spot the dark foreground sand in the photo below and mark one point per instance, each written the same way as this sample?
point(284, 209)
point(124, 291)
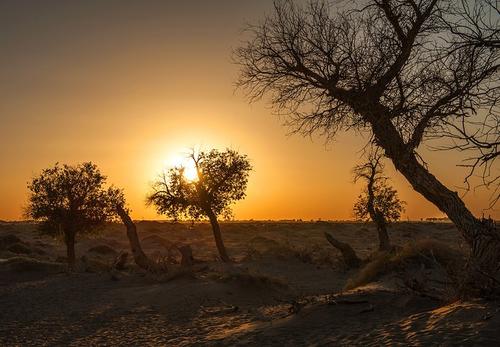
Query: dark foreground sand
point(286, 289)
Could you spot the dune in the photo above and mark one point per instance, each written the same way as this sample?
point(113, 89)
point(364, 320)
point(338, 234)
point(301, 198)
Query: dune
point(288, 286)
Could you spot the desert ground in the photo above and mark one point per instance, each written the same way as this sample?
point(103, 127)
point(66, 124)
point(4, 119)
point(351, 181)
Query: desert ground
point(287, 286)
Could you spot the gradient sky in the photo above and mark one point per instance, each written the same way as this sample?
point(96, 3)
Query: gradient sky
point(130, 84)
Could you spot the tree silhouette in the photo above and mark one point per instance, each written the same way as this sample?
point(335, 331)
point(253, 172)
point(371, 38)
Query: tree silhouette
point(222, 180)
point(379, 202)
point(394, 69)
point(480, 140)
point(477, 24)
point(71, 200)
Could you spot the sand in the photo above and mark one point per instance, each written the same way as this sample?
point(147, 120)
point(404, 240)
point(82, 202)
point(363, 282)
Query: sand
point(285, 288)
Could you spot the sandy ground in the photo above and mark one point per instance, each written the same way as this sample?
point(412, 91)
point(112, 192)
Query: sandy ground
point(285, 288)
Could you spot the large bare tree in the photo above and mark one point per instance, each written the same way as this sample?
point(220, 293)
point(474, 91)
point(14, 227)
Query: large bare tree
point(395, 68)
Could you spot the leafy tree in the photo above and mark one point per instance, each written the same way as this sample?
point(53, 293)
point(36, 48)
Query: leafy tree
point(379, 201)
point(71, 200)
point(401, 70)
point(222, 180)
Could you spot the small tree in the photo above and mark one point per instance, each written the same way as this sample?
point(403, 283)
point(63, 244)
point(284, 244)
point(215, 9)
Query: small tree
point(71, 200)
point(379, 201)
point(222, 179)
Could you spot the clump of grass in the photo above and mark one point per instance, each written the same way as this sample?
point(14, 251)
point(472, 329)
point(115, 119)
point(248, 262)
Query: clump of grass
point(372, 270)
point(423, 249)
point(428, 252)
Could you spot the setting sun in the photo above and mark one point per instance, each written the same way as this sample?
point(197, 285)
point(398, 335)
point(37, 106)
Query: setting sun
point(182, 160)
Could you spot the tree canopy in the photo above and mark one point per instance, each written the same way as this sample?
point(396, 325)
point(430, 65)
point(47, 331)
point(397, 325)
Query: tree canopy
point(69, 200)
point(72, 197)
point(222, 180)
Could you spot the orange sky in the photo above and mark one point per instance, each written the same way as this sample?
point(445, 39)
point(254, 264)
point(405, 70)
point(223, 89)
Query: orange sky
point(129, 84)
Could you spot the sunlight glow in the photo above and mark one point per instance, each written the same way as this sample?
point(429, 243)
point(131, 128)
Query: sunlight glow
point(182, 160)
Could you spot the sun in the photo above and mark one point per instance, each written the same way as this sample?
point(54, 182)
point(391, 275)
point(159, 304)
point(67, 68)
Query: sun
point(180, 160)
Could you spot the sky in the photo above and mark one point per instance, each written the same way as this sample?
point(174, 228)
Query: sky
point(131, 85)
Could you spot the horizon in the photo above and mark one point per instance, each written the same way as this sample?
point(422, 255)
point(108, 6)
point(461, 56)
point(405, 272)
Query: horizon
point(222, 221)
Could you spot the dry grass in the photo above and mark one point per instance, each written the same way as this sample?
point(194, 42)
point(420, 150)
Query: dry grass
point(428, 252)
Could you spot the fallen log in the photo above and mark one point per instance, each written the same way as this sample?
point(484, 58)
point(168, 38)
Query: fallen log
point(348, 254)
point(140, 258)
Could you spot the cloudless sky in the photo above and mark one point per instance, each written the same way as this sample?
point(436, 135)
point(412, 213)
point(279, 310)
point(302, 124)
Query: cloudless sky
point(130, 85)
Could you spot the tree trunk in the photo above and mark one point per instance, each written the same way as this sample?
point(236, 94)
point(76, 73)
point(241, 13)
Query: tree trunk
point(349, 255)
point(218, 237)
point(69, 239)
point(383, 236)
point(140, 257)
point(377, 217)
point(482, 236)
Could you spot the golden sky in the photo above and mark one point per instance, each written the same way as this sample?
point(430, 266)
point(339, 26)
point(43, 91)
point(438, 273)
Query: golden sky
point(129, 84)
